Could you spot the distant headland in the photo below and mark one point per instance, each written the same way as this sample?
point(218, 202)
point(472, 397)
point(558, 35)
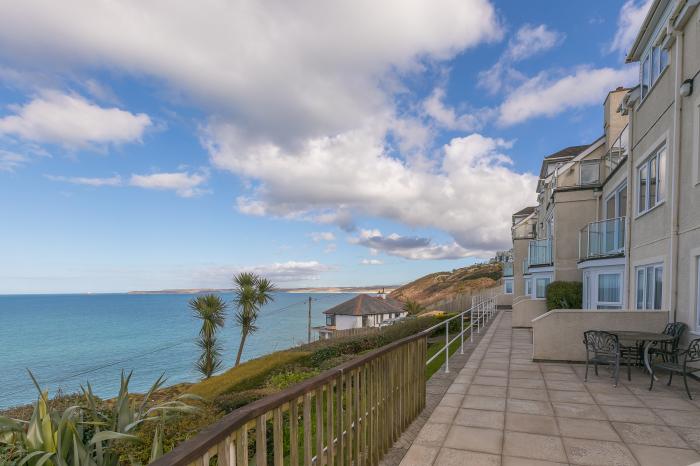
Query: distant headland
point(329, 289)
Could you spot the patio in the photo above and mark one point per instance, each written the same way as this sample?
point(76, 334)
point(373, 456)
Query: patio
point(504, 409)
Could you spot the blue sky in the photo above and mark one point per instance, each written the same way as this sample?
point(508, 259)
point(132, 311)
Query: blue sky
point(170, 145)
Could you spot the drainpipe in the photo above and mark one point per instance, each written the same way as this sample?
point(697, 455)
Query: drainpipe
point(675, 177)
point(629, 211)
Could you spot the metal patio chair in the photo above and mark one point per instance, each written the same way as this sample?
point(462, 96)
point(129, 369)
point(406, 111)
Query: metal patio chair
point(602, 348)
point(690, 355)
point(669, 349)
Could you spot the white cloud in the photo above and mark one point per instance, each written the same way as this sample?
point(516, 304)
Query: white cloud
point(542, 96)
point(447, 117)
point(528, 41)
point(317, 236)
point(629, 22)
point(115, 180)
point(10, 161)
point(183, 183)
point(469, 191)
point(72, 121)
point(277, 69)
point(330, 248)
point(289, 271)
point(371, 262)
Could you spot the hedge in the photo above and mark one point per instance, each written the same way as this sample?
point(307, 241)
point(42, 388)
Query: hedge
point(564, 295)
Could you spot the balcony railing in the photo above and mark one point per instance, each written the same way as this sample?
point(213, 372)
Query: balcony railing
point(602, 239)
point(540, 252)
point(507, 269)
point(617, 153)
point(581, 173)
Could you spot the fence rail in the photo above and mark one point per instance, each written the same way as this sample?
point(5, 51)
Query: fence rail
point(349, 415)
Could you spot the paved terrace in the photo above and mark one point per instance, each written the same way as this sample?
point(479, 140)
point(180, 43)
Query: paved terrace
point(504, 409)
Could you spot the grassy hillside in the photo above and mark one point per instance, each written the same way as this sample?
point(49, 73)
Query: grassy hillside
point(443, 285)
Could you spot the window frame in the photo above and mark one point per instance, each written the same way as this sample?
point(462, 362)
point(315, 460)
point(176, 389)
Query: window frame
point(655, 163)
point(609, 304)
point(697, 293)
point(647, 61)
point(528, 286)
point(544, 290)
point(645, 299)
point(506, 282)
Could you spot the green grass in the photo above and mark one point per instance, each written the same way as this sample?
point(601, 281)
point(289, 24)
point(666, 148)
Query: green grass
point(433, 348)
point(248, 375)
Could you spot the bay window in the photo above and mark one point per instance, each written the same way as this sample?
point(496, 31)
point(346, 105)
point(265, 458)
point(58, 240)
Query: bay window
point(649, 286)
point(508, 282)
point(651, 176)
point(653, 64)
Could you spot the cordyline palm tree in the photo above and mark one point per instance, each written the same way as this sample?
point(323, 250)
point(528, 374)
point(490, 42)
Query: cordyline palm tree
point(413, 307)
point(210, 309)
point(251, 292)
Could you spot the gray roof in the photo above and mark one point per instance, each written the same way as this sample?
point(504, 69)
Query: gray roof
point(570, 151)
point(363, 305)
point(526, 211)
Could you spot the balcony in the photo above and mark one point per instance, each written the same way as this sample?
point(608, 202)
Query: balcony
point(540, 252)
point(507, 269)
point(578, 174)
point(618, 152)
point(602, 239)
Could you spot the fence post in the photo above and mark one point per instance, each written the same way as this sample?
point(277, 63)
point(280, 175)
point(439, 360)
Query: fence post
point(471, 324)
point(447, 347)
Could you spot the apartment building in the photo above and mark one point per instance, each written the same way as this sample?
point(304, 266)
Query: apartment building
point(663, 169)
point(622, 215)
point(546, 240)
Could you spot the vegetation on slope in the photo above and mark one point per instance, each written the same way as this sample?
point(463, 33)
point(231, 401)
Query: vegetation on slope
point(444, 285)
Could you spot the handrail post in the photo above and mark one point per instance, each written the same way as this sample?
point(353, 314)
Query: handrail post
point(461, 349)
point(447, 347)
point(471, 324)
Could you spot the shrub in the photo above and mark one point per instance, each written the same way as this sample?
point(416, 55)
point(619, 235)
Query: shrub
point(290, 377)
point(564, 295)
point(234, 400)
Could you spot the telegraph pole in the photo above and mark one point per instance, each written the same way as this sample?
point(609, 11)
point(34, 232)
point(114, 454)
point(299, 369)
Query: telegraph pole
point(309, 326)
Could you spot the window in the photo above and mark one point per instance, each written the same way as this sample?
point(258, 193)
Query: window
point(654, 63)
point(330, 320)
point(541, 287)
point(652, 181)
point(509, 285)
point(528, 287)
point(649, 286)
point(609, 291)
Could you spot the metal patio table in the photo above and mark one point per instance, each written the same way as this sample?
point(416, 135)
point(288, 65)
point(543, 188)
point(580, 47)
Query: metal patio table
point(648, 338)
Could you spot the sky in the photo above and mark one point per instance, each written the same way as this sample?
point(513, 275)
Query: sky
point(172, 144)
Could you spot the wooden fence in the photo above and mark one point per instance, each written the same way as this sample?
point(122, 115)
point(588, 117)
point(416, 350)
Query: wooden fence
point(351, 332)
point(349, 415)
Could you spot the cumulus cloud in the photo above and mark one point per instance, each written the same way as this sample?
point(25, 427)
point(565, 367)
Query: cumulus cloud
point(544, 96)
point(72, 121)
point(528, 41)
point(629, 22)
point(447, 117)
point(115, 180)
point(274, 68)
point(10, 161)
point(318, 236)
point(470, 191)
point(183, 183)
point(371, 262)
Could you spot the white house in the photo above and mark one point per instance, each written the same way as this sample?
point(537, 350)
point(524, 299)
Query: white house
point(362, 311)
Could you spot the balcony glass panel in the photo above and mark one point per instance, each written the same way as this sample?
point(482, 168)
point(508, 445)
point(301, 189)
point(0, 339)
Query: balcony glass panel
point(540, 252)
point(605, 238)
point(507, 269)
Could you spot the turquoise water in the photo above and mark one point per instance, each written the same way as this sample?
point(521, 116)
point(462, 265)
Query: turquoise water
point(66, 340)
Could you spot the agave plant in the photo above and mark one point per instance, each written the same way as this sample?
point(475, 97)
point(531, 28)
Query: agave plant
point(85, 434)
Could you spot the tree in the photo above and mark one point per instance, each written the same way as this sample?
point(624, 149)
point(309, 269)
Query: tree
point(210, 309)
point(251, 293)
point(413, 307)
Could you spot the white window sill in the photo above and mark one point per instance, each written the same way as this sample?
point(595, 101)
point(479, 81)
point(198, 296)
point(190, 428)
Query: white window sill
point(642, 214)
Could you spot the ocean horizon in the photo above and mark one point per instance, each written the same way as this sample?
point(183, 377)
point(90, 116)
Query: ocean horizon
point(67, 340)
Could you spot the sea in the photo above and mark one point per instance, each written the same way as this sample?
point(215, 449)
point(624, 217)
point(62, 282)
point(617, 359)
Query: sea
point(67, 340)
